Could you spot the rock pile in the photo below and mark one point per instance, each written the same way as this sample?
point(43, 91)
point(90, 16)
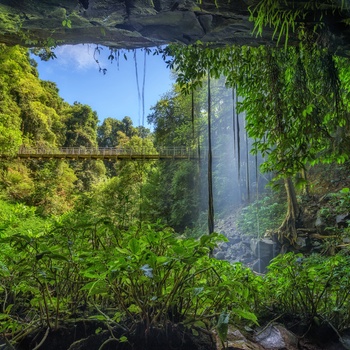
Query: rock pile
point(251, 251)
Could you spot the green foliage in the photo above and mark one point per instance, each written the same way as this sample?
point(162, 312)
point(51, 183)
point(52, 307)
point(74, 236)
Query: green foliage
point(261, 216)
point(67, 23)
point(285, 17)
point(26, 102)
point(108, 131)
point(153, 276)
point(271, 13)
point(81, 126)
point(171, 194)
point(315, 288)
point(17, 182)
point(174, 187)
point(172, 119)
point(21, 219)
point(336, 205)
point(121, 197)
point(10, 138)
point(141, 277)
point(33, 114)
point(292, 98)
point(184, 196)
point(222, 326)
point(54, 188)
point(342, 200)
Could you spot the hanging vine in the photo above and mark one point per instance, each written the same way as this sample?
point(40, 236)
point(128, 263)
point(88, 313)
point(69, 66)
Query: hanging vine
point(285, 16)
point(137, 84)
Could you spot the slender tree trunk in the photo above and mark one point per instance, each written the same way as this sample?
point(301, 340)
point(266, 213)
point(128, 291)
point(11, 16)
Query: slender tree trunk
point(247, 181)
point(192, 114)
point(256, 174)
point(210, 167)
point(234, 121)
point(237, 141)
point(287, 231)
point(306, 187)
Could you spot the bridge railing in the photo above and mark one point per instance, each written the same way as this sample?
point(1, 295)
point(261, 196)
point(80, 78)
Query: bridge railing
point(181, 152)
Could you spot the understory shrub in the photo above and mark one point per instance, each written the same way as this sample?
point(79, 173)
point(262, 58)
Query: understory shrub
point(140, 279)
point(260, 216)
point(153, 277)
point(315, 289)
point(334, 215)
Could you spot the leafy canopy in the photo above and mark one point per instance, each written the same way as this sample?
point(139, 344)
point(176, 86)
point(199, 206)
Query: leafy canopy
point(293, 98)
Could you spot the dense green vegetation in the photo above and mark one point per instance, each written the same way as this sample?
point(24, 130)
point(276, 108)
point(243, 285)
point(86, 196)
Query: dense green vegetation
point(124, 244)
point(295, 100)
point(35, 115)
point(140, 277)
point(69, 229)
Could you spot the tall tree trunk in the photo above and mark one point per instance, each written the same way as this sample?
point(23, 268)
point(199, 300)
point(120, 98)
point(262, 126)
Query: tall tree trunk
point(287, 231)
point(234, 121)
point(236, 140)
point(210, 167)
point(247, 181)
point(192, 114)
point(256, 174)
point(238, 144)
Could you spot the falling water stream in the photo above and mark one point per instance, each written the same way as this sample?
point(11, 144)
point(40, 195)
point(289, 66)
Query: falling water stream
point(230, 169)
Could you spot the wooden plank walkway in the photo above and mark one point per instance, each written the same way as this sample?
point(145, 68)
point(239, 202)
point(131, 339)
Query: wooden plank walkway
point(111, 153)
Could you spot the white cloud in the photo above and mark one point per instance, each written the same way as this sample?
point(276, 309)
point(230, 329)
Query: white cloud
point(80, 57)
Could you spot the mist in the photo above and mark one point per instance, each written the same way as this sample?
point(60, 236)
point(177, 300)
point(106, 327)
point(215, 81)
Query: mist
point(237, 179)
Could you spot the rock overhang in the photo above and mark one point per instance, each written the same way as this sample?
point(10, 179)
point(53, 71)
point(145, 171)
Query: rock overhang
point(131, 24)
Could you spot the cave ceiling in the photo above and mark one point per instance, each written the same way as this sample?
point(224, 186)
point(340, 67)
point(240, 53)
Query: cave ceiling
point(133, 24)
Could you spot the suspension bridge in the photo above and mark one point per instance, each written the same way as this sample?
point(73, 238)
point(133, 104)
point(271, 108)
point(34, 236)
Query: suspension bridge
point(106, 153)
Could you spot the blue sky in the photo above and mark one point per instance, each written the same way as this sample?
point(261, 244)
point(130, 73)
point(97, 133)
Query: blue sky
point(114, 94)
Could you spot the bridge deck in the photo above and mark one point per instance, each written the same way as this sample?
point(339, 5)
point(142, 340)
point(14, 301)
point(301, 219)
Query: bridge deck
point(116, 153)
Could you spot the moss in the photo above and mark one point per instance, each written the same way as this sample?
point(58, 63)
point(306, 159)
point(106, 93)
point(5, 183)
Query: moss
point(9, 21)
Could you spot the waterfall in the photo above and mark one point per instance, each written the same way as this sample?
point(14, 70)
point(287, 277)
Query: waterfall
point(236, 176)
